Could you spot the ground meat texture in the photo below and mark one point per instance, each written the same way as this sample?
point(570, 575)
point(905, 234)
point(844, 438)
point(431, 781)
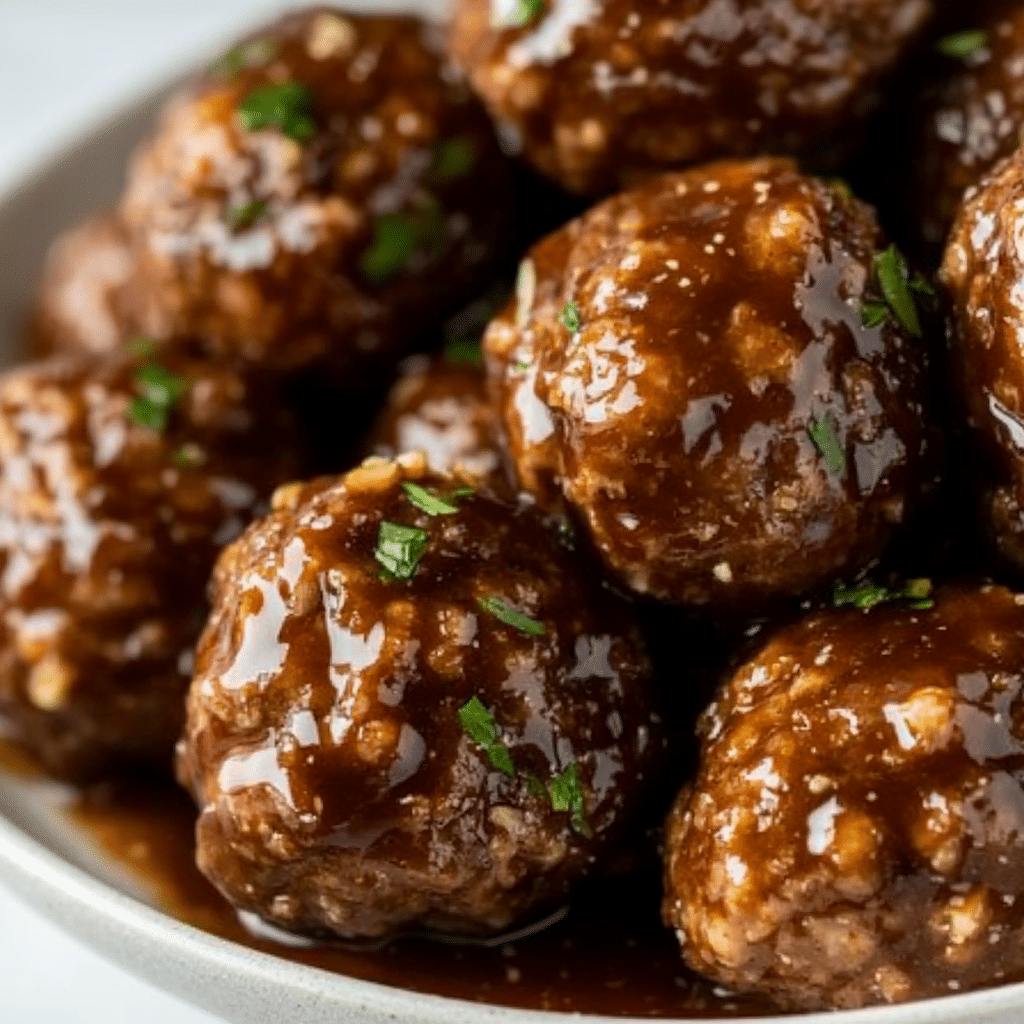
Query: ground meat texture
point(596, 93)
point(441, 408)
point(973, 119)
point(86, 302)
point(719, 333)
point(853, 835)
point(108, 531)
point(371, 211)
point(338, 789)
point(981, 269)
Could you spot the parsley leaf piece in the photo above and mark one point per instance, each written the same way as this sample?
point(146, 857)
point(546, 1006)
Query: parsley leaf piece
point(566, 793)
point(874, 314)
point(158, 391)
point(535, 787)
point(427, 502)
point(867, 594)
point(569, 318)
point(244, 216)
point(400, 548)
point(526, 291)
point(891, 272)
point(480, 726)
point(453, 158)
point(461, 492)
point(963, 45)
point(823, 434)
point(464, 351)
point(394, 241)
point(287, 107)
point(522, 14)
point(507, 614)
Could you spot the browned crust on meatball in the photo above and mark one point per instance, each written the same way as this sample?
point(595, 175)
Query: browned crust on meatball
point(338, 790)
point(597, 91)
point(257, 241)
point(108, 531)
point(852, 836)
point(720, 323)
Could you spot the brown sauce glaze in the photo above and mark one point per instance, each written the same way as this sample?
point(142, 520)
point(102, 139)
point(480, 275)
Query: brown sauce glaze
point(611, 955)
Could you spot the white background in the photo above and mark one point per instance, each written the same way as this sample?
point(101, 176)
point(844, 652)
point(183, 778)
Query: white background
point(62, 64)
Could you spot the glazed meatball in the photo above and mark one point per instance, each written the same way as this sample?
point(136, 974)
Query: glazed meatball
point(327, 191)
point(596, 93)
point(853, 835)
point(86, 300)
point(441, 408)
point(120, 479)
point(973, 118)
point(410, 718)
point(704, 367)
point(982, 268)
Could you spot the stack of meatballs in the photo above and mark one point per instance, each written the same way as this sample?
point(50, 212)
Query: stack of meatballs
point(695, 507)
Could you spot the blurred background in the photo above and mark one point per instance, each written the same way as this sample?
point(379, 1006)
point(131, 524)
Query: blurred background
point(64, 65)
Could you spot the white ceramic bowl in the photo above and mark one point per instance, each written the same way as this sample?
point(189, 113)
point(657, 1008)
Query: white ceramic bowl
point(61, 872)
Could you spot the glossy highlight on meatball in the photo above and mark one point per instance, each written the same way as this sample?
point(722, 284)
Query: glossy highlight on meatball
point(327, 191)
point(411, 708)
point(441, 408)
point(853, 835)
point(120, 479)
point(720, 372)
point(597, 91)
point(982, 268)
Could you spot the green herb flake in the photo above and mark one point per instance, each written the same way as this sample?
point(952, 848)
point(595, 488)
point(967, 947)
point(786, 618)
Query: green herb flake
point(427, 502)
point(569, 318)
point(453, 158)
point(874, 314)
point(396, 236)
point(526, 291)
point(535, 787)
point(480, 726)
point(243, 57)
point(507, 614)
point(963, 45)
point(188, 455)
point(287, 107)
point(523, 13)
point(841, 187)
point(823, 434)
point(245, 216)
point(917, 592)
point(158, 391)
point(566, 793)
point(400, 548)
point(891, 271)
point(463, 351)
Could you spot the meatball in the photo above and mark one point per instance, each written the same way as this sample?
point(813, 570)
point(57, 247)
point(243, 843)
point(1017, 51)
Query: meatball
point(597, 93)
point(981, 269)
point(407, 714)
point(441, 408)
point(327, 191)
point(723, 399)
point(973, 118)
point(120, 479)
point(853, 834)
point(86, 299)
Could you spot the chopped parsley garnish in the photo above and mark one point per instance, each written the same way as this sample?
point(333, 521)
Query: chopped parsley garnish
point(400, 548)
point(535, 787)
point(187, 455)
point(158, 391)
point(841, 187)
point(507, 614)
point(567, 795)
point(898, 288)
point(287, 107)
point(480, 726)
point(867, 595)
point(463, 351)
point(823, 434)
point(244, 216)
point(569, 318)
point(526, 291)
point(523, 12)
point(396, 236)
point(244, 56)
point(963, 45)
point(431, 503)
point(453, 158)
